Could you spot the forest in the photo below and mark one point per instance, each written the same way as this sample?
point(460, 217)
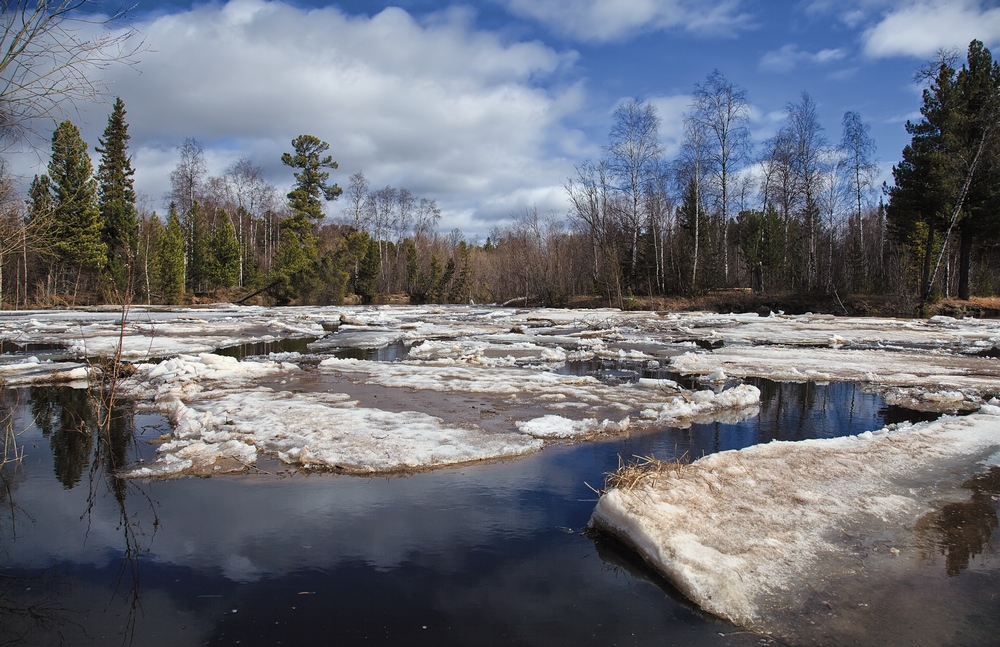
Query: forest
point(801, 214)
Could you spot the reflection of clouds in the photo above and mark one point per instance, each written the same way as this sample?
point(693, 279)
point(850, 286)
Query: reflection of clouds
point(252, 527)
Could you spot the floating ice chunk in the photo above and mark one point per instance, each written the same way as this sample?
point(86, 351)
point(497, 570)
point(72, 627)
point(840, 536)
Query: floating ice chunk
point(554, 426)
point(990, 410)
point(718, 375)
point(746, 534)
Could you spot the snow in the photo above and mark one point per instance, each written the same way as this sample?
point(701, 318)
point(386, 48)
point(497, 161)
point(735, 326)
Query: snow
point(746, 534)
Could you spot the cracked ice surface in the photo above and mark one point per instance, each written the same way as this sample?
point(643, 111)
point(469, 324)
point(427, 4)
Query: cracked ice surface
point(750, 535)
point(500, 358)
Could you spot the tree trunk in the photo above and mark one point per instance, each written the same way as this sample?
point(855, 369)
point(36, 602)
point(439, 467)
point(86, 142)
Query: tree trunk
point(925, 292)
point(965, 262)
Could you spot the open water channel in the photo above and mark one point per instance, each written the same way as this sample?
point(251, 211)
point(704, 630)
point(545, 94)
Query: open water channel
point(483, 554)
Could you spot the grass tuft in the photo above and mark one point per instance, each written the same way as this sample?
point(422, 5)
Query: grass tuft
point(633, 473)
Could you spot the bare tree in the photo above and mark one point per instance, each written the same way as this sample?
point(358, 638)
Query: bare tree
point(858, 149)
point(692, 166)
point(51, 53)
point(188, 176)
point(427, 218)
point(634, 152)
point(724, 111)
point(808, 144)
point(592, 199)
point(249, 195)
point(357, 204)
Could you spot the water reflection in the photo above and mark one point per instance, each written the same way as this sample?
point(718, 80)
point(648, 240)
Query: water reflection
point(265, 348)
point(960, 531)
point(91, 432)
point(466, 555)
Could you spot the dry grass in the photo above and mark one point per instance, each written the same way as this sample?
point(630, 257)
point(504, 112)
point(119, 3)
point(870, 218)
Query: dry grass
point(633, 473)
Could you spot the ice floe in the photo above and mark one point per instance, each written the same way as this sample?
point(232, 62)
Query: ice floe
point(750, 535)
point(929, 381)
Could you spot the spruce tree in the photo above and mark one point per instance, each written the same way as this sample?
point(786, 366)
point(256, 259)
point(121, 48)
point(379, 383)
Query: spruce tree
point(40, 200)
point(198, 254)
point(224, 251)
point(171, 258)
point(77, 220)
point(116, 196)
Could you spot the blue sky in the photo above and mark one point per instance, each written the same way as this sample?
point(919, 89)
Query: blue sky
point(488, 106)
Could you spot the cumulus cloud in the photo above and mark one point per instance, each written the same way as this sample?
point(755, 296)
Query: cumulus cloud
point(788, 57)
point(921, 28)
point(434, 105)
point(609, 20)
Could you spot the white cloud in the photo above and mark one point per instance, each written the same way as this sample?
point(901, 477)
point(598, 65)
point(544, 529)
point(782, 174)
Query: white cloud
point(608, 20)
point(788, 57)
point(924, 27)
point(670, 110)
point(452, 113)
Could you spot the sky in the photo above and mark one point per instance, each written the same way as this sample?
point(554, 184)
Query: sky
point(487, 107)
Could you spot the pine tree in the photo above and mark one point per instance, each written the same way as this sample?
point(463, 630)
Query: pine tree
point(116, 196)
point(948, 172)
point(310, 181)
point(171, 257)
point(77, 219)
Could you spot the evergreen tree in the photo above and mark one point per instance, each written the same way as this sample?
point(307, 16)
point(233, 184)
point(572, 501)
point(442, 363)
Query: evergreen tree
point(224, 254)
point(171, 257)
point(948, 172)
point(297, 264)
point(294, 265)
point(310, 181)
point(148, 257)
point(198, 255)
point(116, 197)
point(40, 200)
point(366, 283)
point(77, 219)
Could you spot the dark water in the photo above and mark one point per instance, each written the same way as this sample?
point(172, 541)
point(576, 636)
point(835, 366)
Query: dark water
point(489, 554)
point(265, 348)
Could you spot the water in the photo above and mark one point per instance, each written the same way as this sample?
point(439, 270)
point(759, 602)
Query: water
point(489, 554)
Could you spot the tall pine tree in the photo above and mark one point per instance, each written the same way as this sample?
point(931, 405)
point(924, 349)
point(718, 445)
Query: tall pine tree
point(77, 220)
point(116, 197)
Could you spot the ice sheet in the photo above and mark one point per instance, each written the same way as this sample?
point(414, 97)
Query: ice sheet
point(748, 534)
point(933, 381)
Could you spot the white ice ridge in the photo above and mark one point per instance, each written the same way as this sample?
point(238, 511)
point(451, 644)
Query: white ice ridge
point(748, 534)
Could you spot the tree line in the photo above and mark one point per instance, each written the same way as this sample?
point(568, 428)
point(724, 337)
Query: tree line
point(800, 214)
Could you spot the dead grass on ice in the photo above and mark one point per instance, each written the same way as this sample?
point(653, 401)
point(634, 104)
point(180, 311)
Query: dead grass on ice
point(640, 471)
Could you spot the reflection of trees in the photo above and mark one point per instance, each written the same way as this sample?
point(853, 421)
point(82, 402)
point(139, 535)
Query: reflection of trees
point(66, 417)
point(960, 531)
point(89, 432)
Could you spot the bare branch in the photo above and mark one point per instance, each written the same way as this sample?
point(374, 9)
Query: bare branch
point(51, 54)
